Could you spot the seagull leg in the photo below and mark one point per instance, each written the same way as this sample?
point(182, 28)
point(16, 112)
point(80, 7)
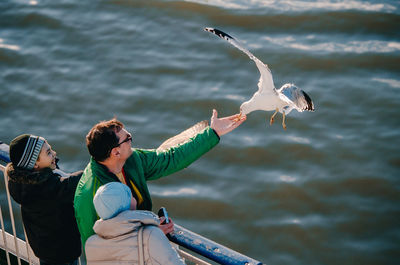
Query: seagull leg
point(283, 121)
point(238, 117)
point(271, 121)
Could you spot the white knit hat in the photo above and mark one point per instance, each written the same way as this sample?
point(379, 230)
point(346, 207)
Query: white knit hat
point(112, 199)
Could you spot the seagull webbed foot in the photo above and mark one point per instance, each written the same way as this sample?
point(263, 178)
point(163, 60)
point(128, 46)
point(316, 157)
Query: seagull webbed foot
point(238, 117)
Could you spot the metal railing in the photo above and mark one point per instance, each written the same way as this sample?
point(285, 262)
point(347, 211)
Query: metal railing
point(182, 238)
point(10, 242)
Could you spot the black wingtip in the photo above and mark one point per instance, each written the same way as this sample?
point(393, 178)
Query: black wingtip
point(310, 104)
point(219, 33)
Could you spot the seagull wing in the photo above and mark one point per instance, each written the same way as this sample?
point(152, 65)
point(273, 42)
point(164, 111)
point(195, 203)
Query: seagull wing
point(266, 82)
point(183, 137)
point(296, 98)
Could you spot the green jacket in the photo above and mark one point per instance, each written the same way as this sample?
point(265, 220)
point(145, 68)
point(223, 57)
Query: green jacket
point(141, 166)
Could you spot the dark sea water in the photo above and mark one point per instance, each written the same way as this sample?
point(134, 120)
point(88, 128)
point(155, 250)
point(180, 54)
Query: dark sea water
point(326, 191)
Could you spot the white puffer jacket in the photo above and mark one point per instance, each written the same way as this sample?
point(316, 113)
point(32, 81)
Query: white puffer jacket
point(116, 241)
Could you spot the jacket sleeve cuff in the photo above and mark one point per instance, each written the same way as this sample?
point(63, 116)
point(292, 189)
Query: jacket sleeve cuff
point(219, 138)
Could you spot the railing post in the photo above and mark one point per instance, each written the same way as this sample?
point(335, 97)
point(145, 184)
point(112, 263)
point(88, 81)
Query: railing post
point(27, 246)
point(4, 236)
point(3, 229)
point(12, 218)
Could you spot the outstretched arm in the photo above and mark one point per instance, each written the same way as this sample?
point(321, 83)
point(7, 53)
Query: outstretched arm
point(227, 124)
point(167, 161)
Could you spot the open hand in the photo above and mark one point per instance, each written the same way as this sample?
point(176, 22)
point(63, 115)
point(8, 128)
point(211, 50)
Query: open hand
point(62, 174)
point(227, 124)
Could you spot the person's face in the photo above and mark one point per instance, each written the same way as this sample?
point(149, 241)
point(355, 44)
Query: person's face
point(124, 144)
point(47, 158)
point(133, 203)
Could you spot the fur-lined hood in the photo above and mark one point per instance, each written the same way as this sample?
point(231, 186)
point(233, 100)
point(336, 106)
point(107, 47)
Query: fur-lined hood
point(26, 176)
point(29, 186)
point(124, 223)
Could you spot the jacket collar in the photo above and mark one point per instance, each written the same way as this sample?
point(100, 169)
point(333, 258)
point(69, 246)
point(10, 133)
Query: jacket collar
point(28, 176)
point(102, 172)
point(124, 223)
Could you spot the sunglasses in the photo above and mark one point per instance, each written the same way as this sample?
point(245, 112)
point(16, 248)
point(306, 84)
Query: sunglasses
point(127, 139)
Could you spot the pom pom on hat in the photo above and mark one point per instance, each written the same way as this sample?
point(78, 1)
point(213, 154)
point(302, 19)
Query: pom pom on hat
point(112, 199)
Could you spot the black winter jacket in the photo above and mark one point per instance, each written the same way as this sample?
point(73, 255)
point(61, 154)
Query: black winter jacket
point(47, 212)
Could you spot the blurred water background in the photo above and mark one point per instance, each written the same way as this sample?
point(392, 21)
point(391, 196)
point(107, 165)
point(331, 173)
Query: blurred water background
point(326, 191)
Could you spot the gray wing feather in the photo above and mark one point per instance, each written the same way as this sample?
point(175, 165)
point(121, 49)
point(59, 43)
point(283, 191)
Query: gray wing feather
point(183, 137)
point(296, 98)
point(266, 82)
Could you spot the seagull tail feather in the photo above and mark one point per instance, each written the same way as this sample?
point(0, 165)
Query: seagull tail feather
point(310, 104)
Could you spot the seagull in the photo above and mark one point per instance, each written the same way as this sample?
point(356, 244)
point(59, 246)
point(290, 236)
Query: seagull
point(268, 98)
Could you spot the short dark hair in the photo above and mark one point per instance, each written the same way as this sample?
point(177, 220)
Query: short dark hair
point(102, 138)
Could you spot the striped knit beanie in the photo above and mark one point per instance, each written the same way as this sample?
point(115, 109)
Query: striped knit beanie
point(25, 150)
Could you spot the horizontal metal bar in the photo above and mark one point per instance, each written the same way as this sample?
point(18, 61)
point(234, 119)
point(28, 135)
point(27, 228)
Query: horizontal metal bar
point(208, 248)
point(21, 246)
point(4, 152)
point(192, 258)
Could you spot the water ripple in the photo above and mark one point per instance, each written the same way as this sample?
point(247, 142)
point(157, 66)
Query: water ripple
point(301, 6)
point(357, 47)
